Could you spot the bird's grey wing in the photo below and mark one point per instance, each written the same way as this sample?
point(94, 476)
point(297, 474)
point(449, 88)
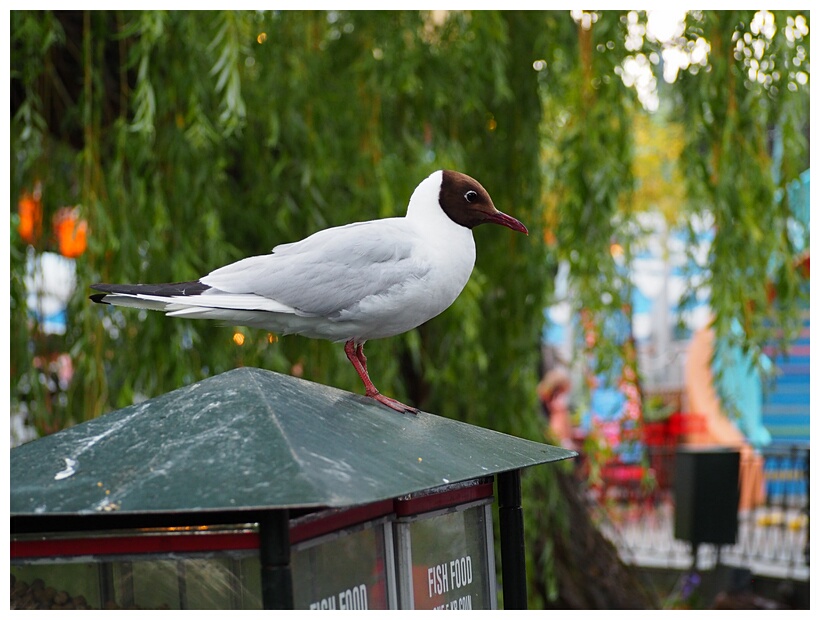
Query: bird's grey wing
point(329, 271)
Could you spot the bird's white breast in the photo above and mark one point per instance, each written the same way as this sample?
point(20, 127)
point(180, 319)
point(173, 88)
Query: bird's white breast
point(446, 258)
point(443, 256)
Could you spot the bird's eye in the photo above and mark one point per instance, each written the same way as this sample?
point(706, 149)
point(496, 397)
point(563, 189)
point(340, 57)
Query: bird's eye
point(471, 196)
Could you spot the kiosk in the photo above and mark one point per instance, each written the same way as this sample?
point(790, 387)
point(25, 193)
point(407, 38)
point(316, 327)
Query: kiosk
point(253, 489)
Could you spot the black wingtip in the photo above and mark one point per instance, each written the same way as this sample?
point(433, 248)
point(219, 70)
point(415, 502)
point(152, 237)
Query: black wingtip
point(98, 298)
point(106, 288)
point(170, 289)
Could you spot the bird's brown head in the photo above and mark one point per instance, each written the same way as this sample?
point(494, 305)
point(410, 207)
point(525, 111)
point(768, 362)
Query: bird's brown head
point(467, 203)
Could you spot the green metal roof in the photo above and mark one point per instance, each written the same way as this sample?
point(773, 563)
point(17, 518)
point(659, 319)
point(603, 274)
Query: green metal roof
point(249, 439)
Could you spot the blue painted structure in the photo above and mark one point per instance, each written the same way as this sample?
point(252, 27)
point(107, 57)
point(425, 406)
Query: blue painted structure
point(786, 404)
point(786, 401)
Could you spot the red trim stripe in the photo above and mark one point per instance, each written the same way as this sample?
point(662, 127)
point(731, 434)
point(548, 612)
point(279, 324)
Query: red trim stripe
point(127, 545)
point(202, 540)
point(436, 501)
point(324, 525)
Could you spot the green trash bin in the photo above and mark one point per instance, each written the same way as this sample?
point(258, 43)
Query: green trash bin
point(707, 495)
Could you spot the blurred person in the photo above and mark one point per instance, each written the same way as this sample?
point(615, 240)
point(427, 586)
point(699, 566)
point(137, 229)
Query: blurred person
point(554, 393)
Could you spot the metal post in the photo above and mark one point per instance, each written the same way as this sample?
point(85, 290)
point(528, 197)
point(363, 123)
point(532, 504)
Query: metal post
point(274, 557)
point(511, 524)
point(806, 472)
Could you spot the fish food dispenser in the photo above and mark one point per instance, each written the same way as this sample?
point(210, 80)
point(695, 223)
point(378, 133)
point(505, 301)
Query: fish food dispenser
point(256, 490)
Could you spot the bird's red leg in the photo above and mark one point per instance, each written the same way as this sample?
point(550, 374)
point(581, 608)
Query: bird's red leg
point(355, 353)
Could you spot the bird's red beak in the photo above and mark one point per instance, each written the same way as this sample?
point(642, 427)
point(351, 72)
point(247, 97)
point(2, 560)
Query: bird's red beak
point(505, 220)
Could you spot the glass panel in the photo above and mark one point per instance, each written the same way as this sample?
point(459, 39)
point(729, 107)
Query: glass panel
point(449, 561)
point(55, 586)
point(347, 572)
point(193, 583)
point(207, 583)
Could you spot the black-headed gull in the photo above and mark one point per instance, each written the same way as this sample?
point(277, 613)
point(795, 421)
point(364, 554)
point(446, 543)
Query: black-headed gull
point(348, 284)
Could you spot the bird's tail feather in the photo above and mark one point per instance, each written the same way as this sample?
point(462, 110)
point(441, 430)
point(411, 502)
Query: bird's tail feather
point(186, 299)
point(148, 296)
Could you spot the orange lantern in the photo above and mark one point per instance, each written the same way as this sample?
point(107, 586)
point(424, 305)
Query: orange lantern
point(71, 232)
point(30, 209)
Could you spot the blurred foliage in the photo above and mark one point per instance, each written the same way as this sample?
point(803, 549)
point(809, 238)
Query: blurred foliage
point(189, 136)
point(193, 139)
point(747, 138)
point(588, 137)
point(659, 180)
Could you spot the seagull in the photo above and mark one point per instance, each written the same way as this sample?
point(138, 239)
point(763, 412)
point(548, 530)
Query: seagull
point(350, 283)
